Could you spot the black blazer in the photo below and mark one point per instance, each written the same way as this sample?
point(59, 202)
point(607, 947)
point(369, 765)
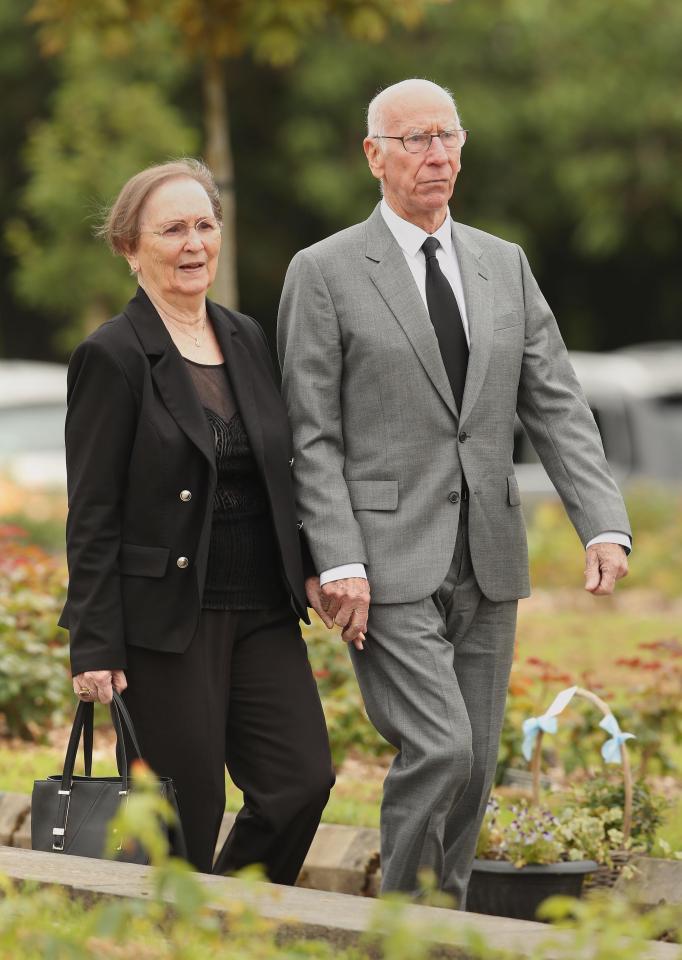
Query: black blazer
point(137, 441)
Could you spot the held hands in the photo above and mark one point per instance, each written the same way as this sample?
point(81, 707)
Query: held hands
point(344, 602)
point(604, 564)
point(96, 685)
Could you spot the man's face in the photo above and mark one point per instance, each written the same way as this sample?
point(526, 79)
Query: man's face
point(417, 186)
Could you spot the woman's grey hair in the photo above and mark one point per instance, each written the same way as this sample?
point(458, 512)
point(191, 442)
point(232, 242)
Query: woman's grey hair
point(121, 226)
point(376, 111)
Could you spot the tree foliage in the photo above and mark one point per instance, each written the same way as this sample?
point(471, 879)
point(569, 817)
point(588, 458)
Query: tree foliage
point(29, 80)
point(574, 111)
point(110, 118)
point(576, 135)
point(272, 31)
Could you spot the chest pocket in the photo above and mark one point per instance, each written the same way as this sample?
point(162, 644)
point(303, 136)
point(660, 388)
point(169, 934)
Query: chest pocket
point(507, 320)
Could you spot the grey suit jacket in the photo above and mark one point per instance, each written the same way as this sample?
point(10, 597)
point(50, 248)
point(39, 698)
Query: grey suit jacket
point(380, 447)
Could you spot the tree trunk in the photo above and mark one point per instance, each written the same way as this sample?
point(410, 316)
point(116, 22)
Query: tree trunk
point(219, 159)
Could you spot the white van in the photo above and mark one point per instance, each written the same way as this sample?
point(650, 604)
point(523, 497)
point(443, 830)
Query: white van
point(32, 412)
point(636, 397)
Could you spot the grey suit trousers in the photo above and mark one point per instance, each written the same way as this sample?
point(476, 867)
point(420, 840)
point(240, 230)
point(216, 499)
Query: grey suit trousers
point(434, 676)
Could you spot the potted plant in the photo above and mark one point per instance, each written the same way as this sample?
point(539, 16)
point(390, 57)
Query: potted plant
point(538, 854)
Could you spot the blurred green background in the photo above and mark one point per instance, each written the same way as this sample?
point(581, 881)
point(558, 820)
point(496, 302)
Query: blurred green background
point(574, 110)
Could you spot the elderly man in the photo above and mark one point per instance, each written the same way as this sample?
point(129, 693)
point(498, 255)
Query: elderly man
point(408, 343)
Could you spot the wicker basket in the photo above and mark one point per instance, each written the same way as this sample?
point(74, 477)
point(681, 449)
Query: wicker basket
point(606, 875)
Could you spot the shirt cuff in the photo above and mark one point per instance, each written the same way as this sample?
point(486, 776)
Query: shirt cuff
point(343, 572)
point(610, 537)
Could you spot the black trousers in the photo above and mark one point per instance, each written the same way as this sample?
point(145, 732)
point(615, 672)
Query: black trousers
point(242, 696)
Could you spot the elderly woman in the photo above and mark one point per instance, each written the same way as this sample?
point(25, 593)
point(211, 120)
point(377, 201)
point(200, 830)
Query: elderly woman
point(185, 573)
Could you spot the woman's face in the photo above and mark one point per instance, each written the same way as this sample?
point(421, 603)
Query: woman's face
point(177, 251)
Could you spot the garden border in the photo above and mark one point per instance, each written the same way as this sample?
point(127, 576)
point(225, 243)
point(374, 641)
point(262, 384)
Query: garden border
point(298, 913)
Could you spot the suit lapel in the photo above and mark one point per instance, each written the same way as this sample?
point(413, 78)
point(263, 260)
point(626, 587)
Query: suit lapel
point(170, 375)
point(477, 298)
point(239, 365)
point(395, 283)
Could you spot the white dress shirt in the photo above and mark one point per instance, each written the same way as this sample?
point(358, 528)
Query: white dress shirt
point(410, 238)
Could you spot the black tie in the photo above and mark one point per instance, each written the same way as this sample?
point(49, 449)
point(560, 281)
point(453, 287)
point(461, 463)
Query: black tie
point(447, 321)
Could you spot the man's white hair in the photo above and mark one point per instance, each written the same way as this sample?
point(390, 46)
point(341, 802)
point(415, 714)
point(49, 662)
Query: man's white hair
point(377, 109)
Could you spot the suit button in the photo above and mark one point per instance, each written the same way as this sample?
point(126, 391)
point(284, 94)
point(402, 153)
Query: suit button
point(291, 462)
point(185, 495)
point(299, 525)
point(463, 436)
point(182, 562)
point(453, 497)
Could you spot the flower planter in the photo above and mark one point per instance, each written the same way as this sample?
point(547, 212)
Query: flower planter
point(499, 888)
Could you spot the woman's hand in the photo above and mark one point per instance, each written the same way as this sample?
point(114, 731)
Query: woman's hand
point(314, 595)
point(97, 685)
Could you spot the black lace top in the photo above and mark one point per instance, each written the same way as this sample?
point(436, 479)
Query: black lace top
point(243, 571)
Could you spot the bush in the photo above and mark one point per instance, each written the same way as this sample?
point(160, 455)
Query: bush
point(347, 721)
point(604, 796)
point(40, 513)
point(35, 689)
point(656, 518)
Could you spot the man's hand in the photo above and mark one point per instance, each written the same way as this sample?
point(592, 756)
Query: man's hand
point(346, 603)
point(97, 685)
point(604, 564)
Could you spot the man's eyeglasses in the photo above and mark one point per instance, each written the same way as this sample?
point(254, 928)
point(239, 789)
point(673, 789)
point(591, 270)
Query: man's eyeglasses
point(178, 231)
point(420, 142)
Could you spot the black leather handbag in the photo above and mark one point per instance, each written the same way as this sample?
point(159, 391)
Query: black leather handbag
point(71, 813)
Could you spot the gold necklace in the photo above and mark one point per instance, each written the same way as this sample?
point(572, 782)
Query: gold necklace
point(192, 336)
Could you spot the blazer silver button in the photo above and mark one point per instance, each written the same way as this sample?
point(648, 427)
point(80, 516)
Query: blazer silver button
point(291, 462)
point(182, 562)
point(185, 495)
point(299, 525)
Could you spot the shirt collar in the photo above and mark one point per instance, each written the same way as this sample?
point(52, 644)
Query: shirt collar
point(410, 237)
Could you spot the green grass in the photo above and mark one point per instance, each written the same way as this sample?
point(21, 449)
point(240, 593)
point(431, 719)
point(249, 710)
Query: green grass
point(671, 831)
point(19, 767)
point(353, 801)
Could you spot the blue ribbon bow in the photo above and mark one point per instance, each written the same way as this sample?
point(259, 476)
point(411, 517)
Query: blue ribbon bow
point(531, 728)
point(611, 750)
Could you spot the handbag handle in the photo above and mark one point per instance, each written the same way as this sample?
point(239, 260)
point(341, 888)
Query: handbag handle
point(83, 724)
point(88, 734)
point(127, 721)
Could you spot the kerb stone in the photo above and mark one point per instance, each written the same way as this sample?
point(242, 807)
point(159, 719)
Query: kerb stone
point(15, 809)
point(341, 860)
point(654, 881)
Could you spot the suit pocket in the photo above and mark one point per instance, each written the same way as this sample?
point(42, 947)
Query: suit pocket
point(513, 492)
point(373, 494)
point(137, 561)
point(507, 320)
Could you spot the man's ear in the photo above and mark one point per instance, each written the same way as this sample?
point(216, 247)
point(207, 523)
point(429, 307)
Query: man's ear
point(375, 156)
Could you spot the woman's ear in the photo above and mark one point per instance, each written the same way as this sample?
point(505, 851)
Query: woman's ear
point(133, 262)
